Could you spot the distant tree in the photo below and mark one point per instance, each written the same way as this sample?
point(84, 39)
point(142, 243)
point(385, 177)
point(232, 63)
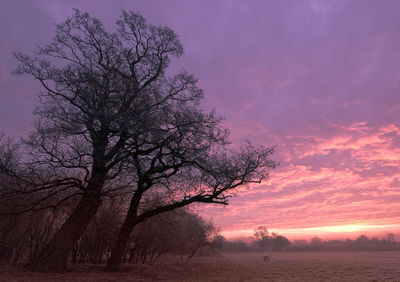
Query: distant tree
point(261, 238)
point(362, 239)
point(391, 237)
point(315, 242)
point(300, 243)
point(264, 240)
point(218, 242)
point(260, 233)
point(280, 243)
point(235, 246)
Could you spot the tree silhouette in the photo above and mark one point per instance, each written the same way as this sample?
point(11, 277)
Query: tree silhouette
point(202, 176)
point(111, 122)
point(264, 240)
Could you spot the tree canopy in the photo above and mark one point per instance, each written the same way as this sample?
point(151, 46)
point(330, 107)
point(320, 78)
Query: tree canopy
point(111, 122)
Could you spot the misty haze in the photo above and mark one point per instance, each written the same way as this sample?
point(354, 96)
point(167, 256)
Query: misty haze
point(188, 140)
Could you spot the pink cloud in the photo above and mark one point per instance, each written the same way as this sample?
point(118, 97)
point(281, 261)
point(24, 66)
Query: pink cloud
point(304, 193)
point(319, 80)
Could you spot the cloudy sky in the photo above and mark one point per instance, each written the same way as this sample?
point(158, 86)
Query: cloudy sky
point(318, 79)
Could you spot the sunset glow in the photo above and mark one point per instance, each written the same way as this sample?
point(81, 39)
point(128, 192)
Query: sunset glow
point(324, 232)
point(320, 80)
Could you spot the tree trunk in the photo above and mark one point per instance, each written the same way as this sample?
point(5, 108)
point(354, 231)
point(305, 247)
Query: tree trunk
point(119, 248)
point(54, 257)
point(118, 251)
point(193, 252)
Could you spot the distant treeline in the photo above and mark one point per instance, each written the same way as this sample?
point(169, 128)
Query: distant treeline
point(362, 243)
point(262, 240)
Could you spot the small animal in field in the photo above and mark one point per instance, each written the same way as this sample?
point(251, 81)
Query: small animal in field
point(266, 258)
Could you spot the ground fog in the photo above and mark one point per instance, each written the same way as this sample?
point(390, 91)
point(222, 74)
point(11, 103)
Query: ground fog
point(290, 266)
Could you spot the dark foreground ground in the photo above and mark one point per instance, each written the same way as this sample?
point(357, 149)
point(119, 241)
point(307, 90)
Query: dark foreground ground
point(319, 266)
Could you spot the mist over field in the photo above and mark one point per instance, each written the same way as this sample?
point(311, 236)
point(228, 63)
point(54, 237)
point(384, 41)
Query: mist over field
point(207, 140)
point(338, 266)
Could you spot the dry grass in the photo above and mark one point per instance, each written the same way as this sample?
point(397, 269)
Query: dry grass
point(333, 266)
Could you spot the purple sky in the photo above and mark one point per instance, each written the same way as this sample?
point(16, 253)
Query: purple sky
point(319, 79)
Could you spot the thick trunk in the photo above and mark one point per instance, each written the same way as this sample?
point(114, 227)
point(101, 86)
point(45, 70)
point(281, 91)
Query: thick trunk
point(118, 251)
point(54, 257)
point(131, 220)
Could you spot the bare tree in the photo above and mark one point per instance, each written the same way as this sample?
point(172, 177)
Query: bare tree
point(26, 234)
point(263, 240)
point(112, 123)
point(8, 162)
point(102, 91)
point(199, 233)
point(260, 233)
point(210, 176)
point(178, 232)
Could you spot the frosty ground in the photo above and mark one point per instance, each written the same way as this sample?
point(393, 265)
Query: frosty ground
point(290, 266)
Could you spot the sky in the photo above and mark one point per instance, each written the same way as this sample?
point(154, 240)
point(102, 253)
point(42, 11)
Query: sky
point(320, 80)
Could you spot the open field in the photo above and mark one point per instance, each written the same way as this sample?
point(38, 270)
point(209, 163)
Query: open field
point(318, 266)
